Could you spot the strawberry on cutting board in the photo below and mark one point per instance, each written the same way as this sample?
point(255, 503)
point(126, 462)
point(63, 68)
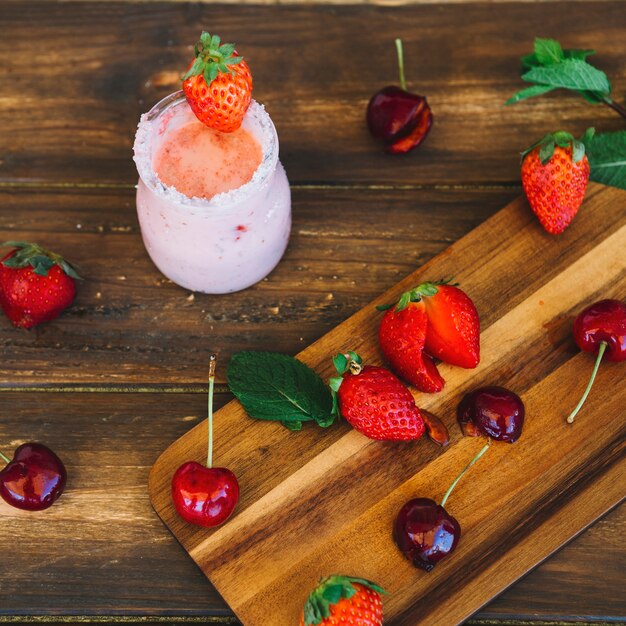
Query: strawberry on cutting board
point(440, 320)
point(218, 84)
point(555, 173)
point(374, 401)
point(36, 285)
point(344, 601)
point(402, 336)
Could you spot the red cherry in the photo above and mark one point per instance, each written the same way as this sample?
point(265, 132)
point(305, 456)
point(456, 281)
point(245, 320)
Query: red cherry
point(425, 532)
point(397, 116)
point(601, 329)
point(393, 112)
point(204, 496)
point(34, 479)
point(492, 411)
point(603, 321)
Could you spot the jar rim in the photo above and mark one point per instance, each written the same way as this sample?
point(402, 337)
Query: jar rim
point(256, 117)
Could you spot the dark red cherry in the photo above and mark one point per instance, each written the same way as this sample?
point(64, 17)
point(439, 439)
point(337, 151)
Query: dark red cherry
point(398, 117)
point(492, 411)
point(425, 532)
point(601, 330)
point(392, 113)
point(204, 496)
point(603, 321)
point(34, 479)
point(417, 135)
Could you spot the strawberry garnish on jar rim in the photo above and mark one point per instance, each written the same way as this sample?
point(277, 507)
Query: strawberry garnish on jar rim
point(218, 84)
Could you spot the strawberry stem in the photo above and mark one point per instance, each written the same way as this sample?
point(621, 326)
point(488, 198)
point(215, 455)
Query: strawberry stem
point(456, 480)
point(572, 415)
point(212, 360)
point(4, 458)
point(400, 53)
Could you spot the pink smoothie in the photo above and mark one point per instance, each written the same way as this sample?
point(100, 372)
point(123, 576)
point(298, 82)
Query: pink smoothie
point(202, 162)
point(214, 209)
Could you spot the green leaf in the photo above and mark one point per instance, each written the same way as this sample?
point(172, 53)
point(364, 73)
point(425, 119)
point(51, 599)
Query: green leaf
point(41, 264)
point(404, 301)
point(581, 55)
point(277, 387)
point(195, 69)
point(293, 426)
point(607, 157)
point(546, 150)
point(341, 363)
point(578, 151)
point(548, 51)
point(529, 92)
point(227, 49)
point(355, 357)
point(570, 74)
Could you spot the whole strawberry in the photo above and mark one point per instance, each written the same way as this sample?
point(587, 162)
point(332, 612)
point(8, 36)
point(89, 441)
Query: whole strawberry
point(344, 601)
point(374, 401)
point(218, 84)
point(36, 285)
point(402, 335)
point(555, 173)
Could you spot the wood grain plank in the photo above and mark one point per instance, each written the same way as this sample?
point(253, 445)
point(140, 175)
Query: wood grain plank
point(73, 114)
point(119, 559)
point(522, 492)
point(132, 326)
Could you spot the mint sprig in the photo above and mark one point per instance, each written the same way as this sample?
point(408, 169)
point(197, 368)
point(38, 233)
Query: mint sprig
point(551, 67)
point(607, 157)
point(277, 387)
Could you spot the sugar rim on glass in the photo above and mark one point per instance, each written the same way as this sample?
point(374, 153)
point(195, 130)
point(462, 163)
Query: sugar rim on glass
point(256, 117)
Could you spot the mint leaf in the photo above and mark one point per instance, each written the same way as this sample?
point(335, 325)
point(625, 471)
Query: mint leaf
point(529, 92)
point(607, 157)
point(570, 74)
point(277, 387)
point(548, 51)
point(578, 54)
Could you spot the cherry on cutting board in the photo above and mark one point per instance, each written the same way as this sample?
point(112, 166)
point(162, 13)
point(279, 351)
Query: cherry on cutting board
point(205, 496)
point(424, 531)
point(601, 329)
point(34, 479)
point(493, 411)
point(398, 117)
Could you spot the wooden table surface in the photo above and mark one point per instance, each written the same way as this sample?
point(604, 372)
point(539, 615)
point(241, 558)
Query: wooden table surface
point(120, 376)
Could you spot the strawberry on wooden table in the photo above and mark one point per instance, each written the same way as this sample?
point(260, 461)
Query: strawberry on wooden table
point(555, 173)
point(374, 401)
point(344, 601)
point(36, 285)
point(218, 84)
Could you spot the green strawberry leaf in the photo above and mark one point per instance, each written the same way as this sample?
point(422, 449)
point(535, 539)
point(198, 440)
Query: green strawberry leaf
point(277, 387)
point(330, 591)
point(607, 157)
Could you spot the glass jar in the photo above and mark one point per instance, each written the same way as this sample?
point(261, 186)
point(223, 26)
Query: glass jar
point(223, 244)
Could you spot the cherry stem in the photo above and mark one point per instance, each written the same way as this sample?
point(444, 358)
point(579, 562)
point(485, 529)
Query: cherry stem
point(615, 106)
point(4, 458)
point(456, 480)
point(401, 63)
point(572, 415)
point(212, 360)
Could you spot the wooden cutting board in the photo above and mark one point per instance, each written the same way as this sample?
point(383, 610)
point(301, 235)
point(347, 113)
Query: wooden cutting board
point(319, 501)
